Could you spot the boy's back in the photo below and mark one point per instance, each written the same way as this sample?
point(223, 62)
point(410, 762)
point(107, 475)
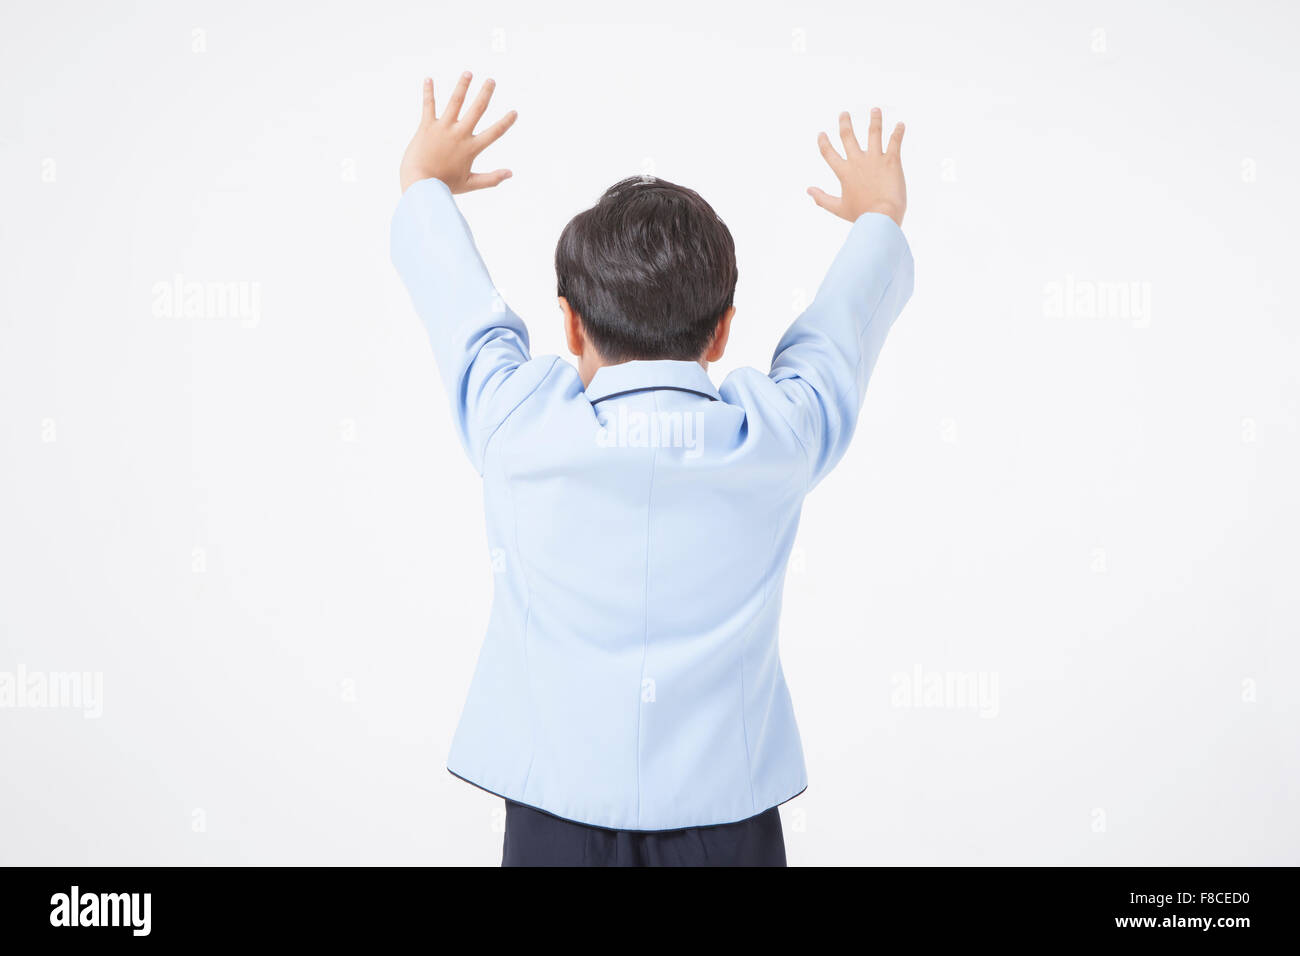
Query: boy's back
point(640, 529)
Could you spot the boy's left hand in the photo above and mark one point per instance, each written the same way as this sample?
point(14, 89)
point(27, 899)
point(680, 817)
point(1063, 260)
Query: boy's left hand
point(444, 147)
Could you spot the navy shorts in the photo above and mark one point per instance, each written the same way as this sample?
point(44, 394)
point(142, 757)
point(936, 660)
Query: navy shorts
point(536, 838)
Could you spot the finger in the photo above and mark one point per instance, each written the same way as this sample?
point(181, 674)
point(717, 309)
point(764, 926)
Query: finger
point(485, 180)
point(426, 112)
point(480, 104)
point(847, 136)
point(457, 98)
point(494, 132)
point(896, 140)
point(873, 131)
point(833, 159)
point(825, 199)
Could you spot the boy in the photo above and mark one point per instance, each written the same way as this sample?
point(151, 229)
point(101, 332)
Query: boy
point(629, 703)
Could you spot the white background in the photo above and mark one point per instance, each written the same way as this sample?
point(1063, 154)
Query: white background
point(265, 538)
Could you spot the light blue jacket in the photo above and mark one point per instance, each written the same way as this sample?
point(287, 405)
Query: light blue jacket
point(640, 529)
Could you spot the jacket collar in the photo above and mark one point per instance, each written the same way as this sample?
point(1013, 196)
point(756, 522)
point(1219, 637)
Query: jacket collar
point(611, 380)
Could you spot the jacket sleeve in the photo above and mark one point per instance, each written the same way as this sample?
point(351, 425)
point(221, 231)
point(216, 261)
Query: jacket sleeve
point(823, 361)
point(479, 344)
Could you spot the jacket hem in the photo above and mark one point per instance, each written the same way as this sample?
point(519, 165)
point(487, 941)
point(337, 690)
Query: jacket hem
point(598, 826)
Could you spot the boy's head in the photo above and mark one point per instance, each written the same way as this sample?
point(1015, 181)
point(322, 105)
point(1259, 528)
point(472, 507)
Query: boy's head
point(649, 272)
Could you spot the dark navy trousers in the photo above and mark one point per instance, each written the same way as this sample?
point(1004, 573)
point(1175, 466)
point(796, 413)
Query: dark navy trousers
point(536, 838)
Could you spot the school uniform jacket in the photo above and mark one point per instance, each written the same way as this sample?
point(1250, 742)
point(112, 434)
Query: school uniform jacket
point(640, 529)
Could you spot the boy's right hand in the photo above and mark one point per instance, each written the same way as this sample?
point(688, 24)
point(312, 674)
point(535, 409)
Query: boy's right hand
point(870, 180)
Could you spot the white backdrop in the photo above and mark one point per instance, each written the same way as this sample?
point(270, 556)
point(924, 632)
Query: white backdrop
point(245, 531)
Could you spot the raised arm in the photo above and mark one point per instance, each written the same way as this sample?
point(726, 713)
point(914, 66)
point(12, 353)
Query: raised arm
point(480, 345)
point(823, 361)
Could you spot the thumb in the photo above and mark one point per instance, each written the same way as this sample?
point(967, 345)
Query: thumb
point(825, 200)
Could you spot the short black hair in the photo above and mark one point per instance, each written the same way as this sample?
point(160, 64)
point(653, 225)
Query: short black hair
point(650, 269)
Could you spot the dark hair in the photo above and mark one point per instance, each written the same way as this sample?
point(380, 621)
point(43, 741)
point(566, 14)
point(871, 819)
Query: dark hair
point(650, 269)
